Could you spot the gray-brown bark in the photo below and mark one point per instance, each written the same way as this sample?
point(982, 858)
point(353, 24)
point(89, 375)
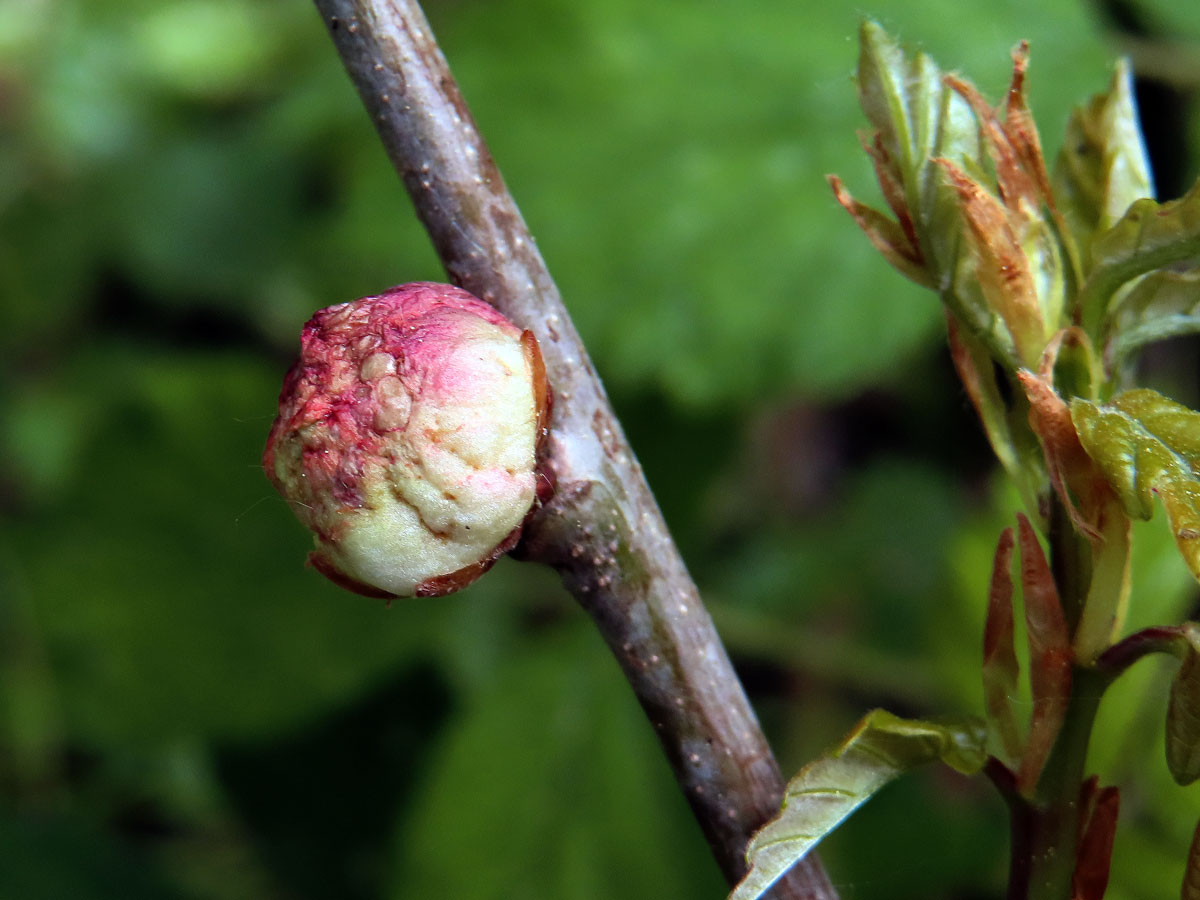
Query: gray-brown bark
point(602, 530)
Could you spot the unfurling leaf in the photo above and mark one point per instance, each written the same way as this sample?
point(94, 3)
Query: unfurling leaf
point(1162, 305)
point(1102, 168)
point(1011, 222)
point(967, 184)
point(1146, 444)
point(1067, 464)
point(891, 239)
point(1095, 509)
point(916, 118)
point(1183, 710)
point(1001, 267)
point(1149, 236)
point(916, 115)
point(825, 792)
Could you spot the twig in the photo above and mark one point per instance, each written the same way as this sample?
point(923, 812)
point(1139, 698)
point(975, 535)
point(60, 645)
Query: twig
point(602, 530)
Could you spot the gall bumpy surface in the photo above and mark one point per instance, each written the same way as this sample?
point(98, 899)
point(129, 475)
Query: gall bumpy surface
point(407, 439)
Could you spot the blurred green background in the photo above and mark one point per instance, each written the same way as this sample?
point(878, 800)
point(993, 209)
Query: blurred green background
point(187, 712)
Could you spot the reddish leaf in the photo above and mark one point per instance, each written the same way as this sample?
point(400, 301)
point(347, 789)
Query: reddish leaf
point(1095, 845)
point(889, 238)
point(1000, 667)
point(1050, 656)
point(1043, 612)
point(1004, 272)
point(1191, 875)
point(1020, 127)
point(891, 182)
point(1014, 182)
point(1066, 460)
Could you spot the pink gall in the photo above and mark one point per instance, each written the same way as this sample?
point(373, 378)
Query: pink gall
point(407, 439)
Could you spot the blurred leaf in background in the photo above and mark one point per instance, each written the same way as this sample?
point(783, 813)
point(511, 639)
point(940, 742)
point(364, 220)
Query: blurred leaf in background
point(185, 711)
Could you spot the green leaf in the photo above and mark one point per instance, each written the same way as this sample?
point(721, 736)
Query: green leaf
point(1146, 444)
point(1102, 168)
point(1149, 236)
point(918, 117)
point(881, 747)
point(1183, 710)
point(1162, 305)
